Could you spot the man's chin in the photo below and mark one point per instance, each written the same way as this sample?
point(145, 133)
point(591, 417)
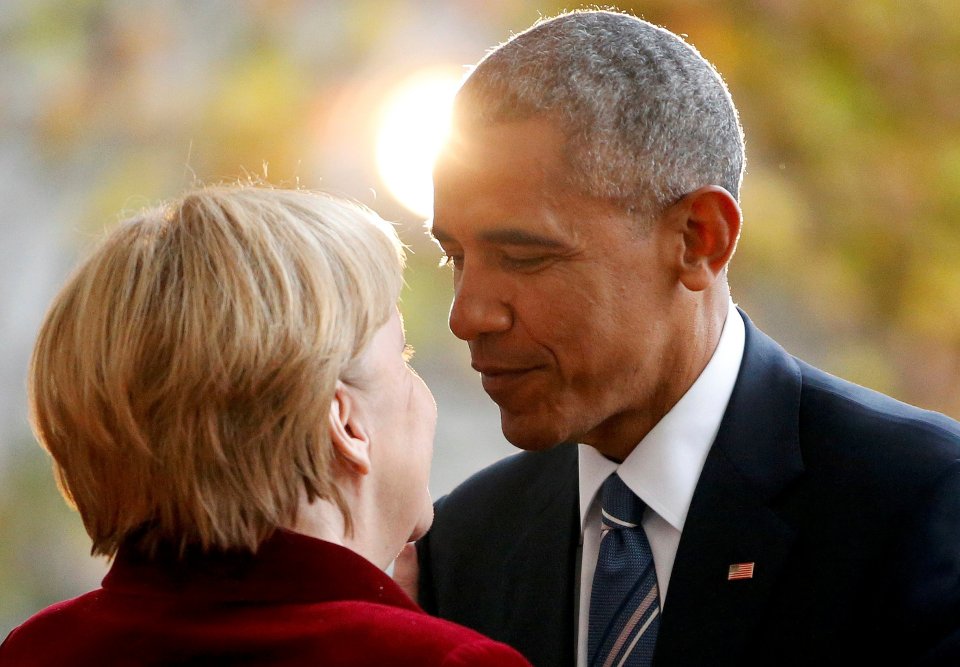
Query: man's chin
point(532, 435)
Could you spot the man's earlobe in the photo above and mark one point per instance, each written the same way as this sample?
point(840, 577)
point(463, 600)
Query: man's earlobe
point(710, 232)
point(347, 434)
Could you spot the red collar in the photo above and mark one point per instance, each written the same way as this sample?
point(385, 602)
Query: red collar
point(288, 567)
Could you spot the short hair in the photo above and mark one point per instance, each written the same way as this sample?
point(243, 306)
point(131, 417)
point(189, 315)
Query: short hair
point(646, 118)
point(183, 377)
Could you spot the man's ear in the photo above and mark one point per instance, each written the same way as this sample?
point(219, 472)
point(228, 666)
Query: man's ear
point(348, 435)
point(710, 219)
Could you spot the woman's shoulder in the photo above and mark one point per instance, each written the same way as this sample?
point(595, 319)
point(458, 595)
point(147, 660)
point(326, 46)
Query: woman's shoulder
point(101, 626)
point(405, 636)
point(39, 639)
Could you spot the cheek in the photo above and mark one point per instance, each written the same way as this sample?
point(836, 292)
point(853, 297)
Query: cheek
point(560, 306)
point(423, 415)
point(419, 416)
point(563, 328)
point(426, 415)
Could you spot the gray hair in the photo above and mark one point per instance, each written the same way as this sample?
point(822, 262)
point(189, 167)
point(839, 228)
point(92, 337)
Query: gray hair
point(646, 118)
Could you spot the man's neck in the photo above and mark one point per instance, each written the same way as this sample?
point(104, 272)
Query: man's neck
point(617, 436)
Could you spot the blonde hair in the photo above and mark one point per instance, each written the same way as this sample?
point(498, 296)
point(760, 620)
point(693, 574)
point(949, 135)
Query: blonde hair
point(183, 377)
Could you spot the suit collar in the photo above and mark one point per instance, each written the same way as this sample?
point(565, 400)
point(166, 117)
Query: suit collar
point(733, 517)
point(759, 434)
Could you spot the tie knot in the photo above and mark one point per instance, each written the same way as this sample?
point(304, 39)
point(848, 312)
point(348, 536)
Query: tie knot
point(621, 506)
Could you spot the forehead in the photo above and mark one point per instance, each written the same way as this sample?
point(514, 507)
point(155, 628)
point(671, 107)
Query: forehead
point(481, 150)
point(511, 174)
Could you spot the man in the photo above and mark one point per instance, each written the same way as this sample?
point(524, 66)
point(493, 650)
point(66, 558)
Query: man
point(588, 203)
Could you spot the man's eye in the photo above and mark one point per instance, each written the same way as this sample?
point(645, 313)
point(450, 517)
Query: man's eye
point(455, 261)
point(524, 262)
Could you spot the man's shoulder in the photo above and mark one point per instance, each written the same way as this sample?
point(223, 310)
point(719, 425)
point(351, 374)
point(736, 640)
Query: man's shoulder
point(487, 544)
point(837, 409)
point(519, 478)
point(784, 409)
point(829, 403)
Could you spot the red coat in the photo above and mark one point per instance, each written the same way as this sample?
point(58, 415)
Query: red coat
point(299, 601)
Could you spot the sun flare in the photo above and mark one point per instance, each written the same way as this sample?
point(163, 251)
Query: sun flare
point(414, 122)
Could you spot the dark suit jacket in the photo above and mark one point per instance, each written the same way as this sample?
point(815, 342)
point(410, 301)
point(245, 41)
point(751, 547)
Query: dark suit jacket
point(300, 601)
point(847, 501)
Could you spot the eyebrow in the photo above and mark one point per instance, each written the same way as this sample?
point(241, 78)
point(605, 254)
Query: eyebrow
point(508, 236)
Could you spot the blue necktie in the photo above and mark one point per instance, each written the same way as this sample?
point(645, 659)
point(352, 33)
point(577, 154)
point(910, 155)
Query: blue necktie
point(625, 599)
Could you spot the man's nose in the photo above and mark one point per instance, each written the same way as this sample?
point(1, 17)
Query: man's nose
point(478, 307)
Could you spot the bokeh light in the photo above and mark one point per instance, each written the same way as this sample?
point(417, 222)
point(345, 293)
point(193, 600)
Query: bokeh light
point(414, 122)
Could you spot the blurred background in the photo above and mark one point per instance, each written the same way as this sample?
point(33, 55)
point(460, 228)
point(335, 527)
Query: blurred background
point(850, 254)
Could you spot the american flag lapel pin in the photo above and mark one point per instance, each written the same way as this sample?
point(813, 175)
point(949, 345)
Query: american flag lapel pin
point(740, 571)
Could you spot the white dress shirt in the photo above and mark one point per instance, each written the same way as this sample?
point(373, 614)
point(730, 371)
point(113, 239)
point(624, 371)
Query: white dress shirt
point(662, 470)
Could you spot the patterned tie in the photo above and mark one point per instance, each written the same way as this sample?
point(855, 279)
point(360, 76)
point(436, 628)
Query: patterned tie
point(625, 602)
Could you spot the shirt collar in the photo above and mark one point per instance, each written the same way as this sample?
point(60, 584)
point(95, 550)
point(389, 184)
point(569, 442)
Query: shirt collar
point(664, 467)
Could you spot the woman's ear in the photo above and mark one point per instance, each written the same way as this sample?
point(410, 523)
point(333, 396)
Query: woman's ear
point(711, 220)
point(348, 435)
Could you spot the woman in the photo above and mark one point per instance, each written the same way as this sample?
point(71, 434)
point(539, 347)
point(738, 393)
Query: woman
point(224, 390)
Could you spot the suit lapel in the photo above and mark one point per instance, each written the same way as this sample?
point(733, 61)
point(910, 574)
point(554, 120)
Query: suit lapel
point(733, 517)
point(540, 572)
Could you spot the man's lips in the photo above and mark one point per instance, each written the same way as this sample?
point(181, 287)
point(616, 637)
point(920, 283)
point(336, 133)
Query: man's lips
point(497, 379)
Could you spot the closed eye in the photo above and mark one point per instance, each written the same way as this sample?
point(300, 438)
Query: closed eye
point(454, 261)
point(525, 263)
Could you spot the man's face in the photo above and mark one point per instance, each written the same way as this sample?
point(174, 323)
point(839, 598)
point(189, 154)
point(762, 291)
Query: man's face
point(568, 303)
